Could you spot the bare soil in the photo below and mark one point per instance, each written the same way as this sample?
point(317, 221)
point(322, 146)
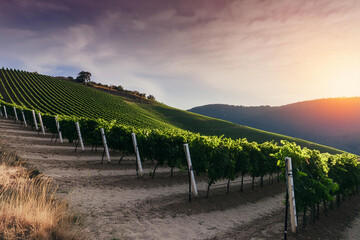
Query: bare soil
point(338, 223)
point(118, 205)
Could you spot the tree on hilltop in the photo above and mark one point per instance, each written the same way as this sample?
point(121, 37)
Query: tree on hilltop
point(83, 77)
point(151, 97)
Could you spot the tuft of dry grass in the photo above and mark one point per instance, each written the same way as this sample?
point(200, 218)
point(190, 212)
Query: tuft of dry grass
point(29, 208)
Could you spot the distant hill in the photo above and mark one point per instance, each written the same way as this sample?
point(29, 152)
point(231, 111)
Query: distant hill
point(58, 96)
point(334, 121)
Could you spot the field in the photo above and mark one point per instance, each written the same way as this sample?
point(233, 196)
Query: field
point(117, 205)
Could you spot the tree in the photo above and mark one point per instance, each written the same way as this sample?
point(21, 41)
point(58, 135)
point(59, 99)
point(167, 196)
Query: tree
point(151, 97)
point(83, 77)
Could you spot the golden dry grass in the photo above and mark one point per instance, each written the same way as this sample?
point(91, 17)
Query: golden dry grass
point(28, 206)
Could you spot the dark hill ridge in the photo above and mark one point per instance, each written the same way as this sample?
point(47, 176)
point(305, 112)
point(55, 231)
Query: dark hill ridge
point(333, 121)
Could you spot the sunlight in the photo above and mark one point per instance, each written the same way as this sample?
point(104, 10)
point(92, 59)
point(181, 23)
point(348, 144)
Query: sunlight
point(344, 80)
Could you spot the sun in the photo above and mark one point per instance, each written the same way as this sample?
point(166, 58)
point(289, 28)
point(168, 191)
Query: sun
point(344, 79)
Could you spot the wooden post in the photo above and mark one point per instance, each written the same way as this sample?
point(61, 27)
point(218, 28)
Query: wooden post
point(79, 136)
point(35, 121)
point(41, 123)
point(58, 129)
point(290, 186)
point(138, 160)
point(192, 177)
point(24, 119)
point(15, 113)
point(105, 144)
point(6, 116)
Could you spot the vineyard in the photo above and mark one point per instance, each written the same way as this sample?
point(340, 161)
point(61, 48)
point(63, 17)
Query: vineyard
point(60, 97)
point(318, 177)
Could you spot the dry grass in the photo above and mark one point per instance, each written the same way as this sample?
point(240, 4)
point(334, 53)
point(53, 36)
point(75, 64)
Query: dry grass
point(28, 206)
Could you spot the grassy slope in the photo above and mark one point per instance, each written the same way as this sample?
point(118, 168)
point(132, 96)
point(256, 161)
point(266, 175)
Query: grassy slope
point(64, 97)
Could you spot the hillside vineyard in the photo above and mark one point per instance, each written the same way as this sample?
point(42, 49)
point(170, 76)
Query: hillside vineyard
point(214, 157)
point(56, 96)
point(219, 158)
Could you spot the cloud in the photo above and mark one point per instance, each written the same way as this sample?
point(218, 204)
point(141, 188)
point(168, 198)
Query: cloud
point(44, 5)
point(238, 52)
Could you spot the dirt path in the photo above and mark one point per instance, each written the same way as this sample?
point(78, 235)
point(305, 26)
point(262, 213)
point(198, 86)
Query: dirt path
point(353, 231)
point(119, 206)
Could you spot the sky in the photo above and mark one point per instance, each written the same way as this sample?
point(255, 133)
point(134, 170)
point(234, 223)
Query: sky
point(189, 53)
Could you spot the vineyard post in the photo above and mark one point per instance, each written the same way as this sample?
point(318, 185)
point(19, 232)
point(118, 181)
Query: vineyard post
point(106, 149)
point(16, 116)
point(190, 168)
point(291, 193)
point(6, 116)
point(58, 129)
point(1, 114)
point(139, 169)
point(79, 136)
point(41, 123)
point(35, 121)
point(189, 179)
point(24, 119)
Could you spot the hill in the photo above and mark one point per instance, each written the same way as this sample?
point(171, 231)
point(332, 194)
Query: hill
point(334, 121)
point(56, 96)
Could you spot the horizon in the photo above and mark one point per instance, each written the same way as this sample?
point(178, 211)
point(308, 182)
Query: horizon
point(189, 54)
point(302, 101)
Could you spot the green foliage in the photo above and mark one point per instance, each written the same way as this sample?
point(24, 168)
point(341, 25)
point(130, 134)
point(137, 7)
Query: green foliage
point(119, 137)
point(68, 128)
point(83, 77)
point(345, 171)
point(319, 176)
point(50, 123)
